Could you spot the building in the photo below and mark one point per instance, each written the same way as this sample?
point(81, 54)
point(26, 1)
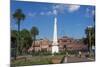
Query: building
point(71, 44)
point(64, 43)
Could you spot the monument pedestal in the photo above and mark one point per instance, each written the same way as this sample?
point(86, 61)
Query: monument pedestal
point(55, 49)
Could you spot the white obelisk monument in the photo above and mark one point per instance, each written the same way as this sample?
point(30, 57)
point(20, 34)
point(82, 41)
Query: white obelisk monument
point(55, 48)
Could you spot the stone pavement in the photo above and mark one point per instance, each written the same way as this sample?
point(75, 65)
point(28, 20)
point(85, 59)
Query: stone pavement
point(73, 59)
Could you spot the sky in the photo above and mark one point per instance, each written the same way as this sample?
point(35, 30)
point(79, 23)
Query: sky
point(72, 20)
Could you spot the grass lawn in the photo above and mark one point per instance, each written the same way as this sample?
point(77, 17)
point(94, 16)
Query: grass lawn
point(37, 60)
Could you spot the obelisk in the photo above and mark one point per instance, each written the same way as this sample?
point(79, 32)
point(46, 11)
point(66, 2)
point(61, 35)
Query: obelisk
point(55, 48)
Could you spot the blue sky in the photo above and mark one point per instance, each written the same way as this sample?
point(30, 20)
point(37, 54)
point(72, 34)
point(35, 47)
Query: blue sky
point(72, 19)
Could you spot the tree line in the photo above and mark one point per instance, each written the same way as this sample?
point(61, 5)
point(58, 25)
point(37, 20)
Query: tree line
point(21, 40)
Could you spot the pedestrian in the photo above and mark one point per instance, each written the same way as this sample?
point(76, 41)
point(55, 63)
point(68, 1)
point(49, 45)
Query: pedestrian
point(80, 53)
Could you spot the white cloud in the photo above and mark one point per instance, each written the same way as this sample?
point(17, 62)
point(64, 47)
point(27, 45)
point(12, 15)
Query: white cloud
point(93, 12)
point(55, 12)
point(62, 8)
point(59, 7)
point(31, 14)
point(56, 9)
point(46, 13)
point(49, 13)
point(72, 8)
point(42, 13)
point(89, 12)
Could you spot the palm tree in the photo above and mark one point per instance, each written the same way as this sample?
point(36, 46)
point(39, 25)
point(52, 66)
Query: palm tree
point(18, 16)
point(34, 33)
point(90, 32)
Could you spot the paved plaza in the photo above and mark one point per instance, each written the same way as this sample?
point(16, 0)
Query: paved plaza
point(77, 59)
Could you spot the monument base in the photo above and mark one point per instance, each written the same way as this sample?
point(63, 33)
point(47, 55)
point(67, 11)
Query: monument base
point(55, 49)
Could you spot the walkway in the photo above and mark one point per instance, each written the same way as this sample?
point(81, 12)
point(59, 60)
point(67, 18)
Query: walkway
point(76, 59)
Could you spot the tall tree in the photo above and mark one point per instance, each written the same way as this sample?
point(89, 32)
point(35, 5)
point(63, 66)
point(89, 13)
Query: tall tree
point(90, 36)
point(18, 16)
point(13, 43)
point(34, 33)
point(26, 40)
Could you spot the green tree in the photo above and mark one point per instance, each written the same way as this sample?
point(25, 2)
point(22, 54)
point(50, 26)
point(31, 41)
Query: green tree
point(14, 33)
point(26, 40)
point(18, 16)
point(34, 33)
point(13, 43)
point(90, 37)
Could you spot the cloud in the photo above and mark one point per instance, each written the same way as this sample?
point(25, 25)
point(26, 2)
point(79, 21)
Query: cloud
point(90, 12)
point(46, 13)
point(72, 8)
point(87, 9)
point(55, 12)
point(62, 8)
point(49, 13)
point(30, 14)
point(56, 9)
point(87, 13)
point(93, 12)
point(42, 13)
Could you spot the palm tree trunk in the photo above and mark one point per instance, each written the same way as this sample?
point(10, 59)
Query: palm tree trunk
point(18, 46)
point(90, 46)
point(34, 38)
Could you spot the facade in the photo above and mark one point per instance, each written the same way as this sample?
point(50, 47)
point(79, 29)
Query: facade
point(71, 44)
point(63, 43)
